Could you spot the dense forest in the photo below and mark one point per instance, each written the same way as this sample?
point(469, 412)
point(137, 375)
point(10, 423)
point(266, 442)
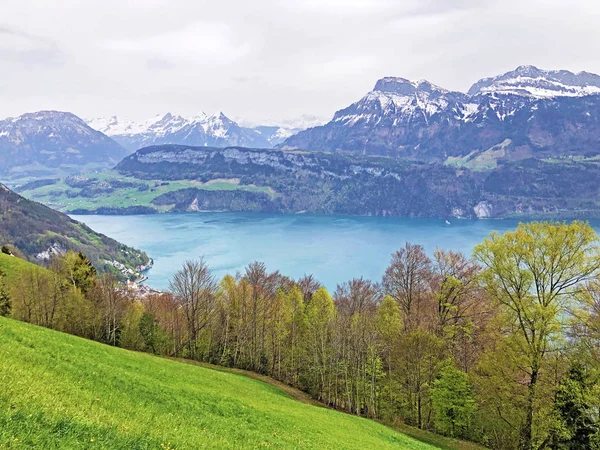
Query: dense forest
point(501, 347)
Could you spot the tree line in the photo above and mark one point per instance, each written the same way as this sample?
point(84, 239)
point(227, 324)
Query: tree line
point(502, 348)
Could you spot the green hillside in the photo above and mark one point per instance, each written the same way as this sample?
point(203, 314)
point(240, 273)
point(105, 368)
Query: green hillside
point(12, 266)
point(60, 391)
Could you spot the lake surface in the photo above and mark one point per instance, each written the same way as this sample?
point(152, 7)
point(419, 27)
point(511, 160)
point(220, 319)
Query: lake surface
point(333, 248)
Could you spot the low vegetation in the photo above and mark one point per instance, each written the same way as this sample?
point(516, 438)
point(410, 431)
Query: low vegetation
point(59, 391)
point(110, 191)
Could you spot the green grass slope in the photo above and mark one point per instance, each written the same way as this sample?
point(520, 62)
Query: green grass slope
point(60, 391)
point(12, 266)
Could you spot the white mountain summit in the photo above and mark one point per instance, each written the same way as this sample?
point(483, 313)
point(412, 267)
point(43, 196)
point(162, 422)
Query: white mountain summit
point(529, 81)
point(199, 130)
point(519, 114)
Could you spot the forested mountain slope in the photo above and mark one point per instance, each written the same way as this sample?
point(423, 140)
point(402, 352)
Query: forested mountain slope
point(352, 184)
point(41, 233)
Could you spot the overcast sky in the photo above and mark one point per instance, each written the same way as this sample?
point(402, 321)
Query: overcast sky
point(268, 59)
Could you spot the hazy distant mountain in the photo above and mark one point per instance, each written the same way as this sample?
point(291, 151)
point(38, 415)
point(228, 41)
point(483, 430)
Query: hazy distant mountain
point(201, 130)
point(527, 112)
point(53, 139)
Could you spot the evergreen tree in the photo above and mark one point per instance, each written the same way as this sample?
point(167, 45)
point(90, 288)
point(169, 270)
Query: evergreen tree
point(579, 425)
point(5, 304)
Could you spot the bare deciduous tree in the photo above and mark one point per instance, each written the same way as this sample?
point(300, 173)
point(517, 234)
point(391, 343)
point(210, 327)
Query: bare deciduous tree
point(195, 288)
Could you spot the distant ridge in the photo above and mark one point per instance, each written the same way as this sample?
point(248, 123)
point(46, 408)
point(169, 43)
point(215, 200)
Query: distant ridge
point(216, 130)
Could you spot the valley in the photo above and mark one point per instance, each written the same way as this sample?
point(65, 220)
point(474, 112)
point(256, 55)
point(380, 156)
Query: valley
point(343, 264)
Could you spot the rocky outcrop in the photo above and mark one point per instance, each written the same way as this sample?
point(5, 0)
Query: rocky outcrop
point(483, 210)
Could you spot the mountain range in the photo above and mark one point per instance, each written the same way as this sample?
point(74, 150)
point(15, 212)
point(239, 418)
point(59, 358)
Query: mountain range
point(524, 113)
point(200, 130)
point(527, 112)
point(57, 143)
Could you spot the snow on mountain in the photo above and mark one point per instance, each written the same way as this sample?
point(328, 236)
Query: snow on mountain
point(521, 113)
point(159, 125)
point(293, 125)
point(202, 129)
point(401, 99)
point(53, 139)
point(530, 81)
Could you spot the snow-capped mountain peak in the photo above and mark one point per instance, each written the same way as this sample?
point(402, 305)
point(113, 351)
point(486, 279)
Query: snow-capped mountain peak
point(402, 99)
point(54, 138)
point(529, 81)
point(418, 119)
point(202, 129)
point(46, 123)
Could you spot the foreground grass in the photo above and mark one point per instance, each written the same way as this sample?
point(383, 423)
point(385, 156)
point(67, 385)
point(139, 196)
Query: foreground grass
point(12, 266)
point(60, 391)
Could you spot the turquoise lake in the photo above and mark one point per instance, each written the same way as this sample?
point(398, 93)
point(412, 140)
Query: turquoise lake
point(333, 248)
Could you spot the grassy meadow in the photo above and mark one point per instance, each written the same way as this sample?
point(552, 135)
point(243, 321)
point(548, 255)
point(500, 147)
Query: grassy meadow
point(63, 197)
point(61, 391)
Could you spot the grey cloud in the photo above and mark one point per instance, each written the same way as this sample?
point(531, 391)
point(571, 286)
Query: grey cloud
point(29, 50)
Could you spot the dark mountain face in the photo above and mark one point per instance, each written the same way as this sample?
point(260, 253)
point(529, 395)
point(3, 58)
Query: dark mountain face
point(53, 139)
point(524, 113)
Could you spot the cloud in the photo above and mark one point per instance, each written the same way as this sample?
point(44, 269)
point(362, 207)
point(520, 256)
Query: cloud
point(200, 42)
point(159, 64)
point(27, 49)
